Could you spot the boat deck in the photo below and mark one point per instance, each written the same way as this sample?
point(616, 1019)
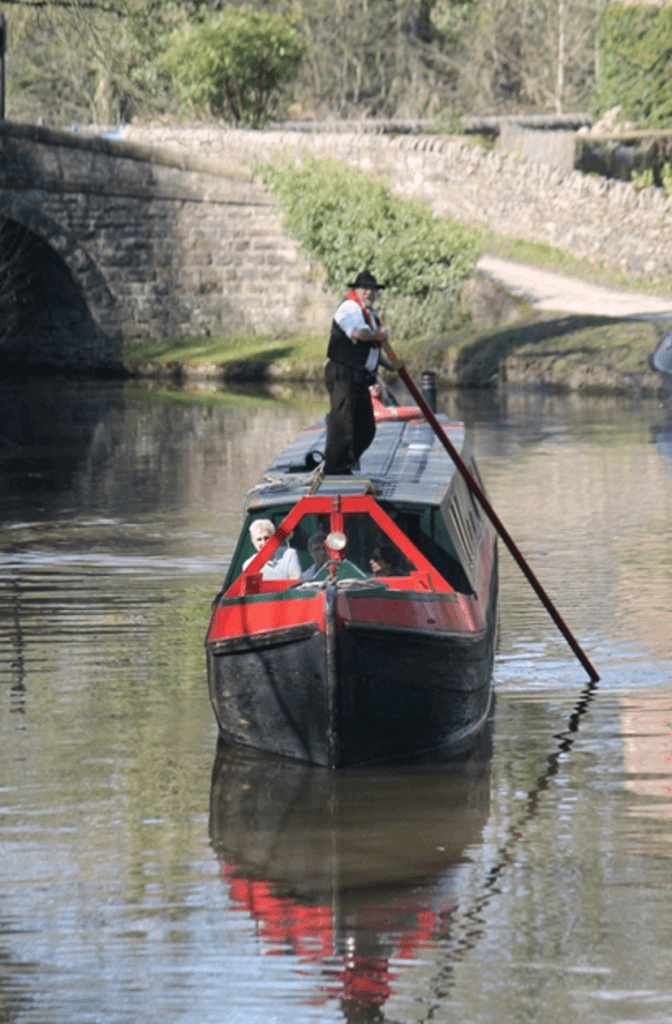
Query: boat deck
point(405, 463)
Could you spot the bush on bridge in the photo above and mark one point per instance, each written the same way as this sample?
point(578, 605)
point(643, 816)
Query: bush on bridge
point(346, 220)
point(235, 64)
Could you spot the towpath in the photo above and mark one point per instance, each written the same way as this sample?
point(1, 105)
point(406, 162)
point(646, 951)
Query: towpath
point(547, 290)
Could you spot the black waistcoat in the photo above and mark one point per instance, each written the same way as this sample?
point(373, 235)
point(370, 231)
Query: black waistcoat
point(342, 350)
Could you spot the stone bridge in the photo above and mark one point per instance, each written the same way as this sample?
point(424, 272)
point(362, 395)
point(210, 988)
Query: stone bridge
point(166, 231)
point(117, 242)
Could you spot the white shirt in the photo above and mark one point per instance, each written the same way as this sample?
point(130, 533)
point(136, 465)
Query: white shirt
point(283, 565)
point(350, 318)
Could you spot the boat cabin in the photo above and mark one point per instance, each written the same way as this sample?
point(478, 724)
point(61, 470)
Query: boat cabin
point(407, 511)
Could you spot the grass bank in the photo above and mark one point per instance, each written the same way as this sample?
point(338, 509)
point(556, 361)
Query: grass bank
point(235, 357)
point(578, 353)
point(574, 353)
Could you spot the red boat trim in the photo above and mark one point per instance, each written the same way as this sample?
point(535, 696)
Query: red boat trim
point(408, 632)
point(271, 638)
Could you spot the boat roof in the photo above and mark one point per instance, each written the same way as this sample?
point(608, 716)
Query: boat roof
point(405, 463)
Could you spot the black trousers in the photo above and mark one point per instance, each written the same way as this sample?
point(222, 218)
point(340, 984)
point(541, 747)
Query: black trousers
point(351, 426)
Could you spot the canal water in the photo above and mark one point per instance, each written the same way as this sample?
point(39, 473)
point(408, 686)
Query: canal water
point(144, 879)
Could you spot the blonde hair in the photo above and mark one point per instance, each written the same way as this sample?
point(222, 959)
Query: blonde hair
point(260, 525)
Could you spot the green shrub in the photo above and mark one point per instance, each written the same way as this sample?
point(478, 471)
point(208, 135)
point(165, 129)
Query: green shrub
point(635, 63)
point(642, 179)
point(346, 220)
point(235, 64)
point(666, 177)
point(410, 317)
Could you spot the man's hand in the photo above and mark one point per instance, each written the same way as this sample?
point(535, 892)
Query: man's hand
point(378, 337)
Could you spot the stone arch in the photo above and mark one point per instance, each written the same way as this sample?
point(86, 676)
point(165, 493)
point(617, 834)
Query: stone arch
point(63, 311)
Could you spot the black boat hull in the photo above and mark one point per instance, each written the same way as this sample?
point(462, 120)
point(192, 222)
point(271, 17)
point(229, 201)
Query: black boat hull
point(358, 695)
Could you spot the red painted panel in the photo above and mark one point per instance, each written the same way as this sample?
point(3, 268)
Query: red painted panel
point(247, 617)
point(464, 615)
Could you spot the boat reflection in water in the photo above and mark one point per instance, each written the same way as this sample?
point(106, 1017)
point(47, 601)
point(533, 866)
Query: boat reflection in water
point(352, 872)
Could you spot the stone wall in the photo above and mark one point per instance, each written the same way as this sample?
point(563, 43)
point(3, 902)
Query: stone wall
point(605, 221)
point(160, 243)
point(167, 232)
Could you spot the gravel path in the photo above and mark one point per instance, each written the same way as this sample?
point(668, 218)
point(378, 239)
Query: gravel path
point(546, 290)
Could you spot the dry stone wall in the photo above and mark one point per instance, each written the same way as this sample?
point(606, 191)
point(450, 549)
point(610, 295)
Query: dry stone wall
point(605, 221)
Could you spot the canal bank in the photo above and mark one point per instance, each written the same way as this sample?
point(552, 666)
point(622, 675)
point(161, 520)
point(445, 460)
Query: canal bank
point(572, 353)
point(526, 327)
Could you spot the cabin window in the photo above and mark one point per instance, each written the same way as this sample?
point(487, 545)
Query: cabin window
point(370, 548)
point(426, 529)
point(465, 517)
point(245, 548)
point(477, 477)
point(460, 528)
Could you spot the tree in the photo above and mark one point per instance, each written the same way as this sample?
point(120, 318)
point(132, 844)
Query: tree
point(528, 55)
point(378, 57)
point(635, 71)
point(235, 64)
point(106, 61)
point(88, 61)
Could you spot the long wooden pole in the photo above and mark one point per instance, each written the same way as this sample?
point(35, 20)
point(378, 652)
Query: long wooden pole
point(3, 47)
point(475, 489)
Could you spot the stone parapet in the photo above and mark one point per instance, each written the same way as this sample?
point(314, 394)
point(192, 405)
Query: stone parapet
point(605, 221)
point(161, 241)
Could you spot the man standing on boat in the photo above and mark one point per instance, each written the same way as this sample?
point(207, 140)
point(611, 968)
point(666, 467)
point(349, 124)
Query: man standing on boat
point(353, 356)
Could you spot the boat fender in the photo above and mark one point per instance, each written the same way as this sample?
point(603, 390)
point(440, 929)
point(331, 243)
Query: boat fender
point(395, 412)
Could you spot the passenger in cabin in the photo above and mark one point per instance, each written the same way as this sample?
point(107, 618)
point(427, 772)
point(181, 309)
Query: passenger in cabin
point(353, 355)
point(319, 554)
point(284, 562)
point(384, 561)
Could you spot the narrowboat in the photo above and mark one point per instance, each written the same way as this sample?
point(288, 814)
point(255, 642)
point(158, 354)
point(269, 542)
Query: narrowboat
point(385, 652)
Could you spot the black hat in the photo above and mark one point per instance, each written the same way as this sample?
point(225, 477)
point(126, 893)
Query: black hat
point(365, 279)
